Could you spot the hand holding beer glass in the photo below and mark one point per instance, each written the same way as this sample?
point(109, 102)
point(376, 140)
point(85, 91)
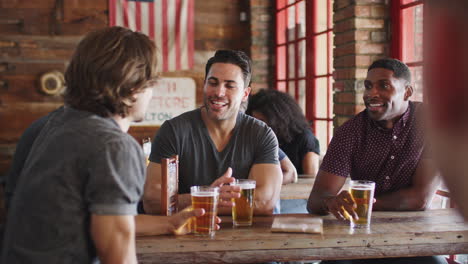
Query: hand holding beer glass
point(205, 197)
point(362, 193)
point(242, 211)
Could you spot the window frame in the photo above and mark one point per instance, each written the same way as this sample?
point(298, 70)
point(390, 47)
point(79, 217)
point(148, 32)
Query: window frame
point(400, 23)
point(311, 62)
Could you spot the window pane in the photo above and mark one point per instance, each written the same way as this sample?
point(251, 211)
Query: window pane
point(417, 81)
point(301, 9)
point(302, 95)
point(321, 16)
point(302, 58)
point(292, 89)
point(291, 61)
point(321, 103)
point(412, 33)
point(281, 27)
point(321, 134)
point(281, 86)
point(321, 54)
point(281, 64)
point(291, 23)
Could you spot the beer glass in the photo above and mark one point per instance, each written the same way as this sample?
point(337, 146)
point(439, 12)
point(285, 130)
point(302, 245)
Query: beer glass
point(242, 211)
point(205, 197)
point(363, 195)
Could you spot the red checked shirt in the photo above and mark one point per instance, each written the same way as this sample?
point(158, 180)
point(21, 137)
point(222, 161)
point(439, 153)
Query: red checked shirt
point(363, 150)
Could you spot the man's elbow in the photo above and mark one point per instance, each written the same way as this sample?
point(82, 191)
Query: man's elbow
point(265, 208)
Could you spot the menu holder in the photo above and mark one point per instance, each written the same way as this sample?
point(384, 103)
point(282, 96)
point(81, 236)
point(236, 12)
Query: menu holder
point(169, 185)
point(291, 224)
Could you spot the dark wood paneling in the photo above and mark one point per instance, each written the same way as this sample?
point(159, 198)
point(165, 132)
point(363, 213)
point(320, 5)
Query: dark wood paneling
point(36, 36)
point(15, 118)
point(48, 17)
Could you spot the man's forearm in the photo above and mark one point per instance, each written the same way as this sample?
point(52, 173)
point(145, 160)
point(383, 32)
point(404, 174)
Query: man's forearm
point(402, 200)
point(265, 201)
point(316, 203)
point(151, 225)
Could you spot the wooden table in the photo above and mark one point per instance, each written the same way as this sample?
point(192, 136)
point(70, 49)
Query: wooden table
point(298, 190)
point(392, 234)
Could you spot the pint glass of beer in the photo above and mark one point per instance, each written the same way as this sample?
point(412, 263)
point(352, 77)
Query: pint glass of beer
point(205, 197)
point(363, 195)
point(242, 211)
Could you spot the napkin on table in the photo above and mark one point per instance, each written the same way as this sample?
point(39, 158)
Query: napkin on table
point(298, 225)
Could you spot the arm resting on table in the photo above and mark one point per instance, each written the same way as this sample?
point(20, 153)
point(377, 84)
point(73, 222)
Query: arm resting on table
point(289, 171)
point(268, 187)
point(418, 196)
point(326, 185)
point(310, 163)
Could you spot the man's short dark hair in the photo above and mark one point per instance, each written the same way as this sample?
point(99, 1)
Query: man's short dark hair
point(235, 57)
point(400, 69)
point(108, 68)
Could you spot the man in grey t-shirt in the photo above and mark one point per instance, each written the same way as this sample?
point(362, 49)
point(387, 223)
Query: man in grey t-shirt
point(217, 142)
point(79, 176)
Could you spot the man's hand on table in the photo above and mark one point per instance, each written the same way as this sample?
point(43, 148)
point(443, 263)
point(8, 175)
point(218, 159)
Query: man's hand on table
point(226, 191)
point(341, 206)
point(180, 223)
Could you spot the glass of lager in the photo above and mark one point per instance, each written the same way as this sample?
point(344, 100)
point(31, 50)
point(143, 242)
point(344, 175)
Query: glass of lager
point(363, 195)
point(205, 197)
point(242, 211)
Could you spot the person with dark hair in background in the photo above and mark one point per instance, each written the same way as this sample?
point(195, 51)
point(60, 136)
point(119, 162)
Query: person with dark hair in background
point(287, 167)
point(77, 176)
point(281, 112)
point(385, 144)
point(218, 141)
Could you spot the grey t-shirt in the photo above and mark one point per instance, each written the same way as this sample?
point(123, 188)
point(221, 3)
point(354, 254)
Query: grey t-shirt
point(200, 163)
point(80, 164)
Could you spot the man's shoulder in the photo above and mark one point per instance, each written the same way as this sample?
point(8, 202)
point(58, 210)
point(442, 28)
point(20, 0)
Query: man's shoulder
point(249, 122)
point(356, 122)
point(88, 127)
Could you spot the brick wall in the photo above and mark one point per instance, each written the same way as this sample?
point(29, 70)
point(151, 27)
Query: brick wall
point(361, 30)
point(262, 27)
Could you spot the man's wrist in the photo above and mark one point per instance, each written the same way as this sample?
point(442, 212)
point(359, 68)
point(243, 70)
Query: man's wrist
point(324, 203)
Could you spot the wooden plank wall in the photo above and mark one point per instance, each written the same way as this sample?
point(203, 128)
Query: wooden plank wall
point(37, 36)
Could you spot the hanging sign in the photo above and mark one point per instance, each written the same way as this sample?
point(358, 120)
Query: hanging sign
point(171, 97)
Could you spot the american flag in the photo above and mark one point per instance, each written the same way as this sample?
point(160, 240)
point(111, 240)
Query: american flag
point(168, 22)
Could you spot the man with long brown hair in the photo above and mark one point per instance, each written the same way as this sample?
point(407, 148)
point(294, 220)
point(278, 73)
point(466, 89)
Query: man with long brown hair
point(75, 195)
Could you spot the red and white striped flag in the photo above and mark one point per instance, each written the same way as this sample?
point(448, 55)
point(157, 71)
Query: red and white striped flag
point(168, 22)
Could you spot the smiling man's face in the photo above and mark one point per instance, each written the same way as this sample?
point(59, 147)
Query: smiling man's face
point(385, 96)
point(224, 91)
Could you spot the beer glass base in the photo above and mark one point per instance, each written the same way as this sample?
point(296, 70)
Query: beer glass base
point(210, 235)
point(360, 226)
point(242, 224)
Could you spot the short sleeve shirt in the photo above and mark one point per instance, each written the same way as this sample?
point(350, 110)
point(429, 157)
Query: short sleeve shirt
point(200, 163)
point(363, 150)
point(80, 164)
point(301, 144)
